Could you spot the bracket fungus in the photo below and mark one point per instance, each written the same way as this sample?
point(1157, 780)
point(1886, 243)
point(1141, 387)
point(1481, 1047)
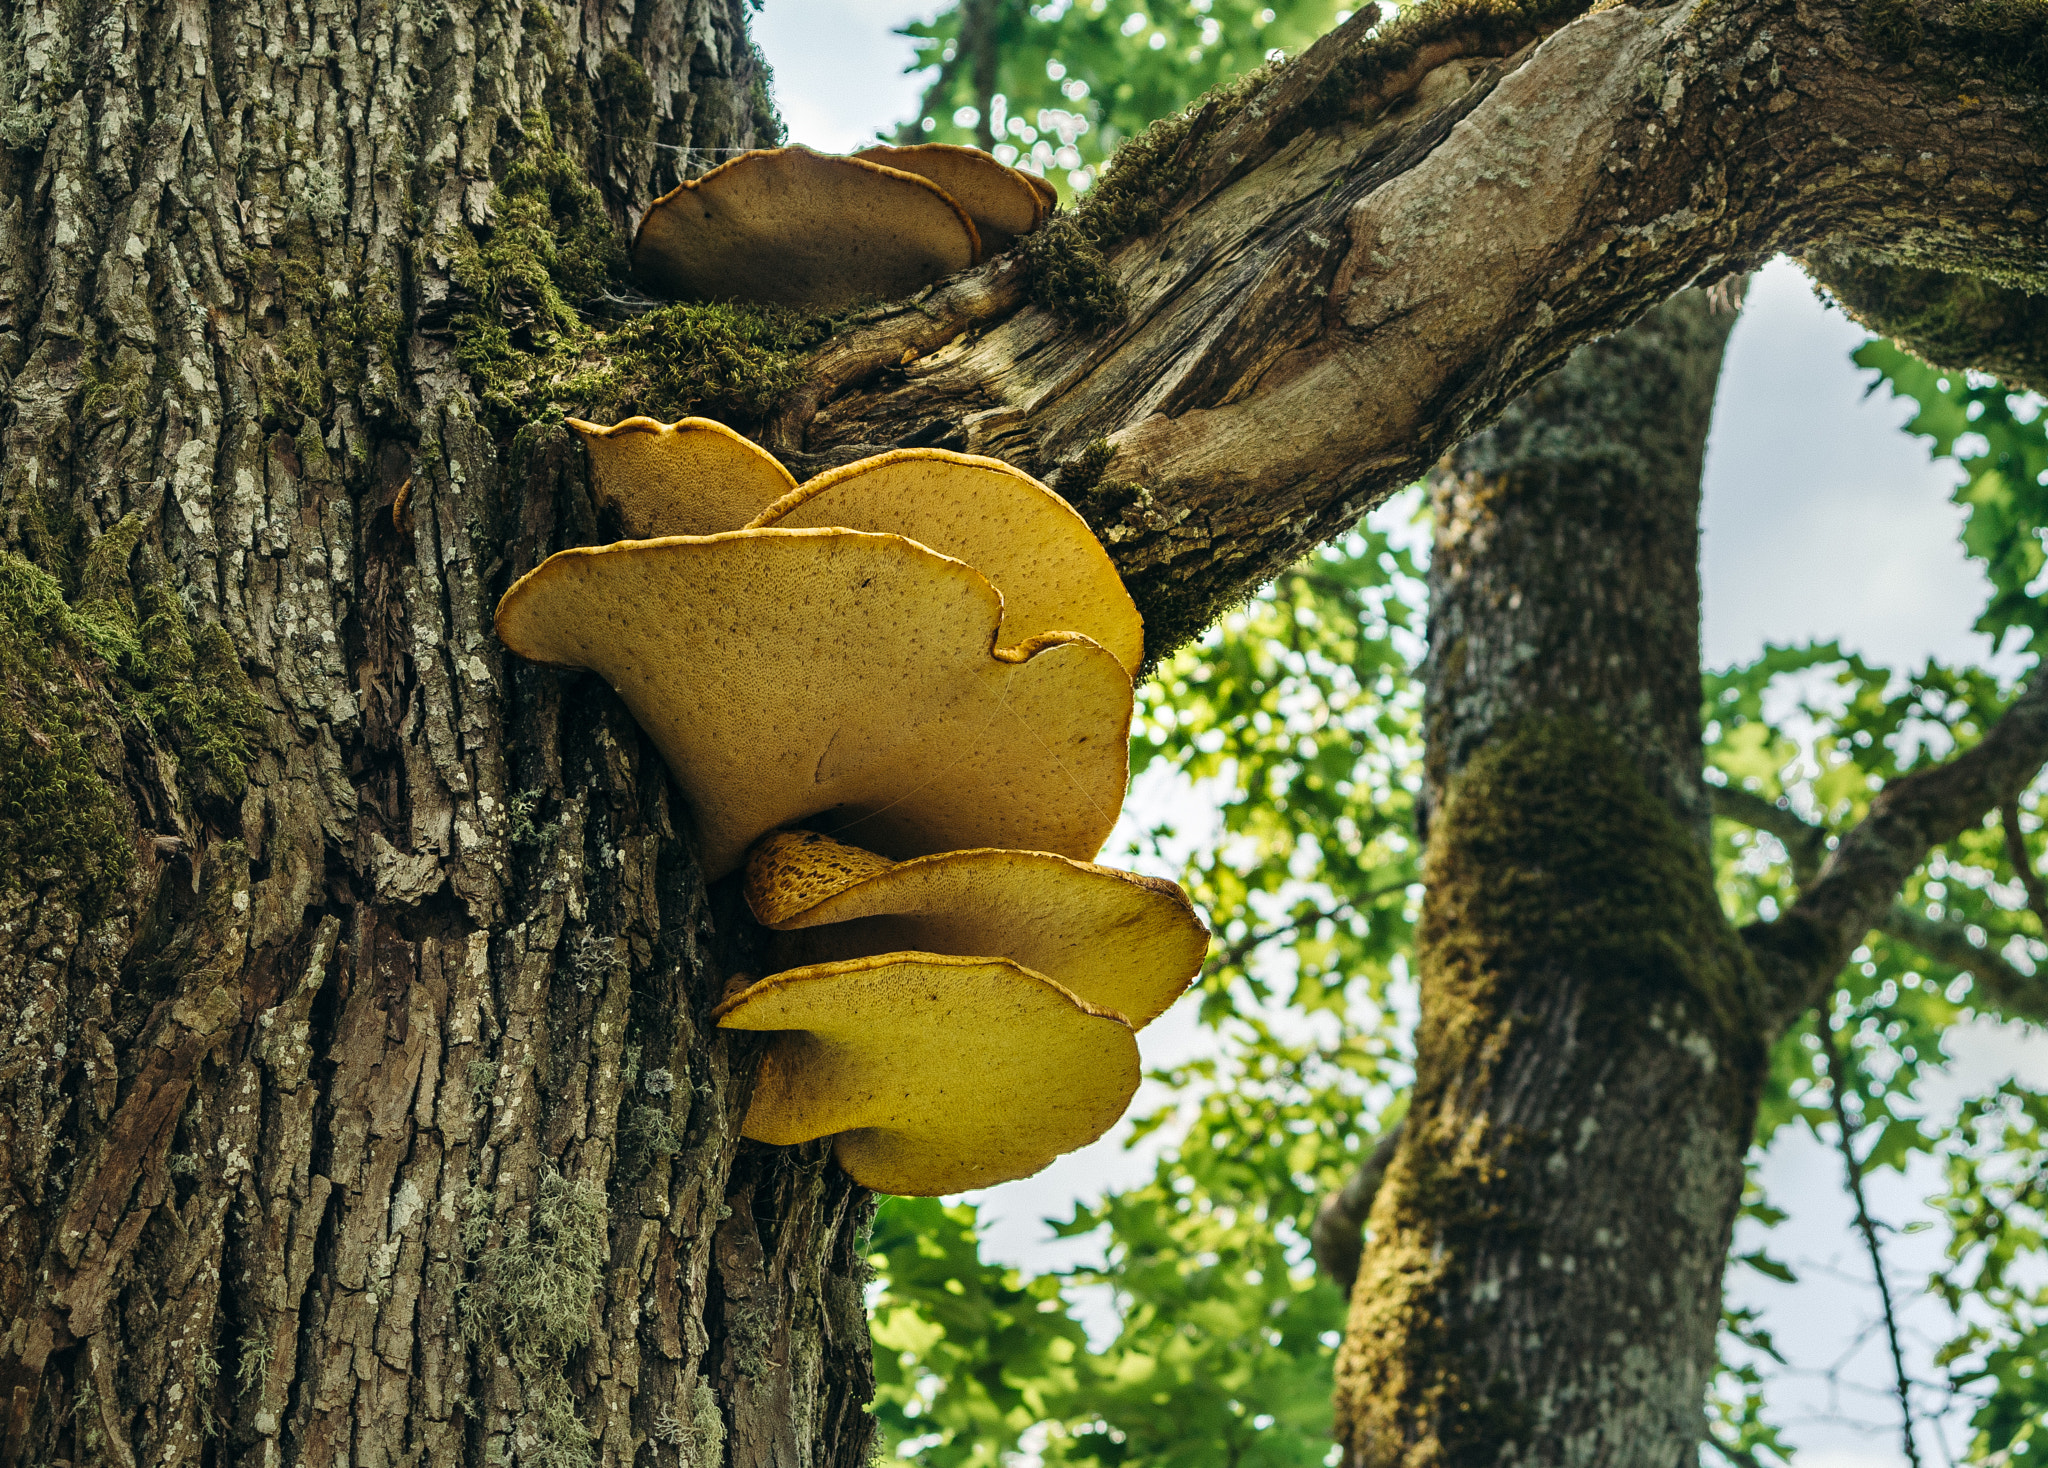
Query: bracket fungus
point(928, 654)
point(932, 1073)
point(999, 199)
point(1116, 939)
point(690, 477)
point(844, 678)
point(789, 227)
point(1053, 573)
point(815, 231)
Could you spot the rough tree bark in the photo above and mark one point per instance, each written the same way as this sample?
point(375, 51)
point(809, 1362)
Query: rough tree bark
point(1590, 1057)
point(359, 1104)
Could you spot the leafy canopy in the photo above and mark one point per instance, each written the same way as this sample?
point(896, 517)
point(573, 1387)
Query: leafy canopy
point(1287, 746)
point(1073, 79)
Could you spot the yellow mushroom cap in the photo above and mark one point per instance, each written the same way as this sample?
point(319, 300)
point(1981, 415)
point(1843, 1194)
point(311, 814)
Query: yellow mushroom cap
point(842, 679)
point(690, 477)
point(790, 227)
point(1000, 200)
point(1053, 573)
point(934, 1074)
point(1117, 939)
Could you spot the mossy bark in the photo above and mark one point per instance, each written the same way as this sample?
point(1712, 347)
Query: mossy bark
point(358, 1101)
point(1542, 1285)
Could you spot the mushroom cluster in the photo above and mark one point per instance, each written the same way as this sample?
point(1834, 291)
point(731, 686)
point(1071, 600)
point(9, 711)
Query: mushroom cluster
point(898, 695)
point(817, 231)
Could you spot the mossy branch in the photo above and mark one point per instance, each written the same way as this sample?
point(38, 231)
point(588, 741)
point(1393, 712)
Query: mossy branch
point(1801, 951)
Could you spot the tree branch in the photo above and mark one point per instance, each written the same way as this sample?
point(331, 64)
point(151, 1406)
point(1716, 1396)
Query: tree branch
point(1337, 1237)
point(1806, 845)
point(2022, 863)
point(1332, 283)
point(1995, 982)
point(1838, 1085)
point(1800, 953)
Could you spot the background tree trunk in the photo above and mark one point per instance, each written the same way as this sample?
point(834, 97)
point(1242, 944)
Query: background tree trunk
point(1543, 1283)
point(358, 1102)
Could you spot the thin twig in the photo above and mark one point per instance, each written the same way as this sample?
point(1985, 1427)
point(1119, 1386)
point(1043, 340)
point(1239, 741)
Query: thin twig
point(1740, 1457)
point(1838, 1085)
point(2016, 850)
point(1242, 949)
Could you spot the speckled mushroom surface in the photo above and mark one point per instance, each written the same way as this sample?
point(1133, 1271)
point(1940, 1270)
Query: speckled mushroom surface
point(691, 477)
point(1126, 942)
point(933, 1074)
point(999, 199)
point(789, 227)
point(1053, 574)
point(847, 680)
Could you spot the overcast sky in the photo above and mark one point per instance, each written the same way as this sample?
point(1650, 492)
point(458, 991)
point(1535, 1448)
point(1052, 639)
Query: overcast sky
point(1822, 521)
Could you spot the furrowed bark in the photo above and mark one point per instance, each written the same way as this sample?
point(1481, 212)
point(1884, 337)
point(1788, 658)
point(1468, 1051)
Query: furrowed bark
point(360, 1103)
point(1587, 1065)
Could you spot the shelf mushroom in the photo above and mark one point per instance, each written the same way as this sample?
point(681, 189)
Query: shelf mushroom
point(845, 679)
point(789, 227)
point(691, 477)
point(1116, 939)
point(933, 1073)
point(999, 199)
point(1052, 572)
point(697, 477)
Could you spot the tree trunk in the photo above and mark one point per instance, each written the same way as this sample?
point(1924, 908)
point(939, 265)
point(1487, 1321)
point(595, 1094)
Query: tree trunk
point(359, 1104)
point(1543, 1283)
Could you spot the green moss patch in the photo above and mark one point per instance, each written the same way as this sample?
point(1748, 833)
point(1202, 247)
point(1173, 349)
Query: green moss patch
point(1893, 26)
point(341, 338)
point(58, 814)
point(71, 676)
point(2011, 38)
point(1552, 843)
point(188, 688)
point(534, 355)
